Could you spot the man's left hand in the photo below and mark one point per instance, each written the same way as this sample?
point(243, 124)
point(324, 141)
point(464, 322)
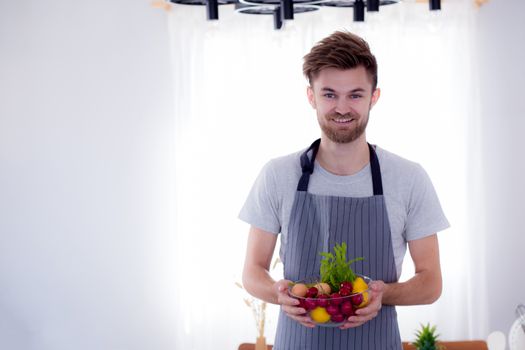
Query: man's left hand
point(370, 311)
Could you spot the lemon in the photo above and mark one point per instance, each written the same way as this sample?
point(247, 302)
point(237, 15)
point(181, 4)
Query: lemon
point(320, 315)
point(359, 285)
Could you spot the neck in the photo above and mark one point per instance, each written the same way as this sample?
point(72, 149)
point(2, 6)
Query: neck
point(343, 159)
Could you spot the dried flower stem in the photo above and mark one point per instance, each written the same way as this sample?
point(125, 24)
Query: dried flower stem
point(257, 306)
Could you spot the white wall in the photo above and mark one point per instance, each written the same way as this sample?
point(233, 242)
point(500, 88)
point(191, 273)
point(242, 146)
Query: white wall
point(85, 196)
point(502, 74)
point(85, 135)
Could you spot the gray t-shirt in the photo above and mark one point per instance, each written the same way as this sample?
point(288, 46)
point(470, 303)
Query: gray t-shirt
point(412, 204)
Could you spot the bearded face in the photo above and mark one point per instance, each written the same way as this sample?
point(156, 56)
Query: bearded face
point(343, 128)
point(342, 100)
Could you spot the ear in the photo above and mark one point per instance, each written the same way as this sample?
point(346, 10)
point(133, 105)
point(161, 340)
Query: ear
point(375, 96)
point(311, 96)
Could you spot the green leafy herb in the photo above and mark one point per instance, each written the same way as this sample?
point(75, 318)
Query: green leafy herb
point(335, 268)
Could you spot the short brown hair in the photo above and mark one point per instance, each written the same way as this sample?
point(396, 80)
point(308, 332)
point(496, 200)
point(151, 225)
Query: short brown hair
point(341, 50)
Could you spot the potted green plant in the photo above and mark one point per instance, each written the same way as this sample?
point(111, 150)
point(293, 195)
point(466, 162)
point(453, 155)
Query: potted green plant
point(427, 339)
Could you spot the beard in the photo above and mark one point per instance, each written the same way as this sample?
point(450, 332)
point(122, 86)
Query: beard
point(342, 134)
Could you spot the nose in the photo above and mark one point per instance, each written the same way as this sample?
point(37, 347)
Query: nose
point(342, 107)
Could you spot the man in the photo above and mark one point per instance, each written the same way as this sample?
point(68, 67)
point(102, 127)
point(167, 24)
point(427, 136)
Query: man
point(342, 189)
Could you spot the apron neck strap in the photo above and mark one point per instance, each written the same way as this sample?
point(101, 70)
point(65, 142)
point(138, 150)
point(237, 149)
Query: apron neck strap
point(307, 166)
point(377, 183)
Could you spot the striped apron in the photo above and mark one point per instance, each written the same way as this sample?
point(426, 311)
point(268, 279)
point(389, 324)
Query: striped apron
point(317, 223)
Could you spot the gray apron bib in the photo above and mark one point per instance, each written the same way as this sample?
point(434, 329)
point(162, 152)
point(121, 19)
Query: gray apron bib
point(317, 222)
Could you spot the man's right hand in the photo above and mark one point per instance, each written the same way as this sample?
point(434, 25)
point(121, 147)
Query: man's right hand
point(290, 305)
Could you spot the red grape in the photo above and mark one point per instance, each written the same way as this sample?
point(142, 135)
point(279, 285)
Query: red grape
point(322, 300)
point(332, 309)
point(335, 299)
point(302, 303)
point(347, 309)
point(337, 318)
point(344, 292)
point(346, 284)
point(312, 292)
point(357, 299)
point(310, 304)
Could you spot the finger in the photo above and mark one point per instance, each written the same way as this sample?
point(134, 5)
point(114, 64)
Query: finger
point(284, 299)
point(359, 319)
point(373, 306)
point(356, 321)
point(304, 320)
point(370, 308)
point(293, 310)
point(351, 324)
point(282, 288)
point(309, 325)
point(376, 291)
point(367, 314)
point(376, 286)
point(366, 317)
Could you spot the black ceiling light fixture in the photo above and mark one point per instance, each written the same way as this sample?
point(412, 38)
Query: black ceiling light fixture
point(372, 5)
point(434, 5)
point(284, 10)
point(273, 8)
point(359, 11)
point(212, 9)
point(212, 6)
point(281, 10)
point(287, 9)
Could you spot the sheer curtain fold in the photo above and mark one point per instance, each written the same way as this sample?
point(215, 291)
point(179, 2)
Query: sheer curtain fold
point(241, 99)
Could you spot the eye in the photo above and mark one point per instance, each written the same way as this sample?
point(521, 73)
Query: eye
point(355, 96)
point(329, 95)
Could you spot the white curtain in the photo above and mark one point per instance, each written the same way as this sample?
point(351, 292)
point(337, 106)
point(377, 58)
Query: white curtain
point(240, 100)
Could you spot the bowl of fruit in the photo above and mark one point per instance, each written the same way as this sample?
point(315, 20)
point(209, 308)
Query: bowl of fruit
point(335, 295)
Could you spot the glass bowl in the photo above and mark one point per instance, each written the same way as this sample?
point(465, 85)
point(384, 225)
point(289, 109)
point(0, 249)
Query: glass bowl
point(329, 308)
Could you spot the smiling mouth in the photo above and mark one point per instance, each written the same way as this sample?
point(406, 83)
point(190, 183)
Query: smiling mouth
point(343, 121)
